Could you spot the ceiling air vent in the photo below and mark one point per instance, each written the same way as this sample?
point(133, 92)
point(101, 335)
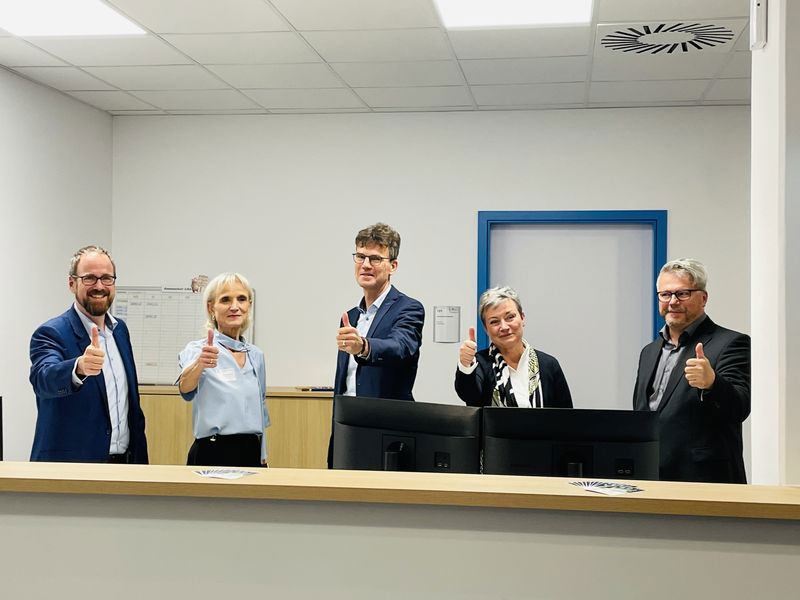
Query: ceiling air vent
point(667, 38)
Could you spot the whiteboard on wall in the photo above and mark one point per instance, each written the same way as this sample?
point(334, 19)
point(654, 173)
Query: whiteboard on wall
point(161, 321)
point(587, 294)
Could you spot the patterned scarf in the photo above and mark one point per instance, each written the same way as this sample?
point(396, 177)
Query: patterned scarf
point(503, 393)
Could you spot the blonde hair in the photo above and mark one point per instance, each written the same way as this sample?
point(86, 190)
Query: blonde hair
point(213, 288)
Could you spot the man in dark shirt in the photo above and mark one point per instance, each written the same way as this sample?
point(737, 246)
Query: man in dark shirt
point(696, 375)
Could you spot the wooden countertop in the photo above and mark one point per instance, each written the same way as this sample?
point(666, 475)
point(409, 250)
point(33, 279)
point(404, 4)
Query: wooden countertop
point(497, 491)
point(272, 392)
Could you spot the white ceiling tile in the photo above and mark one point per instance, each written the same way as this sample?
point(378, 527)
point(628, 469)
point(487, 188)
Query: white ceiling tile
point(647, 91)
point(399, 74)
point(306, 98)
point(531, 94)
point(525, 70)
point(416, 97)
point(743, 43)
point(639, 10)
point(384, 45)
point(112, 50)
point(358, 14)
point(739, 66)
point(64, 78)
point(202, 16)
point(730, 89)
point(622, 67)
point(244, 48)
point(654, 38)
point(164, 77)
point(18, 53)
point(196, 100)
point(521, 43)
point(306, 75)
point(111, 100)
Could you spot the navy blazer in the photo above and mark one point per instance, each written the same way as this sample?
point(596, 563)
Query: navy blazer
point(476, 388)
point(395, 337)
point(74, 425)
point(701, 437)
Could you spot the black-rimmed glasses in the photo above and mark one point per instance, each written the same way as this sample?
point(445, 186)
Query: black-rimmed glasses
point(90, 280)
point(374, 259)
point(679, 294)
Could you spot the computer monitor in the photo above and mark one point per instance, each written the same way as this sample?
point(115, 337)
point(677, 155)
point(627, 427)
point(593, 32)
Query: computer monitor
point(563, 442)
point(399, 435)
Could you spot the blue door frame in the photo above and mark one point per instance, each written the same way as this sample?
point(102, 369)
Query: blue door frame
point(656, 219)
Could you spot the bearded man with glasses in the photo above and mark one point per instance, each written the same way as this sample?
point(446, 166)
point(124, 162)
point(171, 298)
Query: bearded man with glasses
point(84, 376)
point(696, 375)
point(378, 341)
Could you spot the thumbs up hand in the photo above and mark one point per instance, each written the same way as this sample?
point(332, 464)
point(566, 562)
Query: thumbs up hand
point(698, 371)
point(466, 353)
point(347, 338)
point(209, 353)
point(90, 362)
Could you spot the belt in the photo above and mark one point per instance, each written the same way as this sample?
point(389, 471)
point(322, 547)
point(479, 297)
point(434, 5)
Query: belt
point(119, 459)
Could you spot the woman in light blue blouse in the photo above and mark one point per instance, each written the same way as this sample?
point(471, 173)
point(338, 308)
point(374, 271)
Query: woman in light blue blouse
point(225, 379)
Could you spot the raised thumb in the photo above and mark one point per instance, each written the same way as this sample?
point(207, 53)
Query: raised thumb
point(698, 351)
point(471, 334)
point(345, 320)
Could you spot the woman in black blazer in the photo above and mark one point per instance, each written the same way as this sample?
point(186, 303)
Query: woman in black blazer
point(510, 372)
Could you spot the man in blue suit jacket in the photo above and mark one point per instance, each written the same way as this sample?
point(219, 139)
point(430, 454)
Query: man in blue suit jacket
point(84, 377)
point(379, 340)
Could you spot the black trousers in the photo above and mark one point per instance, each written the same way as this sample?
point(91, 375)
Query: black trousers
point(237, 450)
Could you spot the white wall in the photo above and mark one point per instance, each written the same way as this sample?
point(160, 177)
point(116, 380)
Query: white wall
point(55, 187)
point(280, 199)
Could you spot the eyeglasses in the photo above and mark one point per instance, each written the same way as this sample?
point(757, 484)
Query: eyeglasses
point(374, 259)
point(679, 294)
point(90, 280)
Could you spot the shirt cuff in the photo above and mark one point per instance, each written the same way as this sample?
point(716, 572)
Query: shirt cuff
point(76, 380)
point(468, 370)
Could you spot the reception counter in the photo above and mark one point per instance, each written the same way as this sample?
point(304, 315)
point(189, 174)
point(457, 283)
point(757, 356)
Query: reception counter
point(164, 531)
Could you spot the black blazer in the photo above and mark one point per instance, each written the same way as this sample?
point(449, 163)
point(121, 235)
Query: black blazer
point(476, 388)
point(701, 437)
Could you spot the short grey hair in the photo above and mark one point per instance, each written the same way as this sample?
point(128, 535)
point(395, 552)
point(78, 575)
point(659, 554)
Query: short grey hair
point(688, 267)
point(91, 249)
point(219, 283)
point(497, 295)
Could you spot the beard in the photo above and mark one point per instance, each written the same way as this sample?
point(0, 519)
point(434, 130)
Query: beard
point(97, 306)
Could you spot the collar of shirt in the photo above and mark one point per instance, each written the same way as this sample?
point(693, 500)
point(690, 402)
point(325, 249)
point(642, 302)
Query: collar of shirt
point(684, 337)
point(375, 305)
point(231, 344)
point(111, 322)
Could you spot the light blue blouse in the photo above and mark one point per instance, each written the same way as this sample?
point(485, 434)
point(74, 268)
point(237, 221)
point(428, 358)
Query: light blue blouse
point(228, 399)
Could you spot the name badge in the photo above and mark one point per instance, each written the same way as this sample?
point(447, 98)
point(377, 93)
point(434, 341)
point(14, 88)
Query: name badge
point(225, 374)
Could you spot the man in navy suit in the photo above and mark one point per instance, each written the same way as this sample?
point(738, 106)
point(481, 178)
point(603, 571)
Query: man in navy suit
point(83, 374)
point(379, 340)
point(696, 375)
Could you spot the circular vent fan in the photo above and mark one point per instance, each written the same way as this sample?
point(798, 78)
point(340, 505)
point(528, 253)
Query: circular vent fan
point(667, 38)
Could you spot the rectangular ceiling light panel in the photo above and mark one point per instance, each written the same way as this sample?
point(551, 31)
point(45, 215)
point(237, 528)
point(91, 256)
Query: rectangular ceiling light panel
point(32, 18)
point(474, 14)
